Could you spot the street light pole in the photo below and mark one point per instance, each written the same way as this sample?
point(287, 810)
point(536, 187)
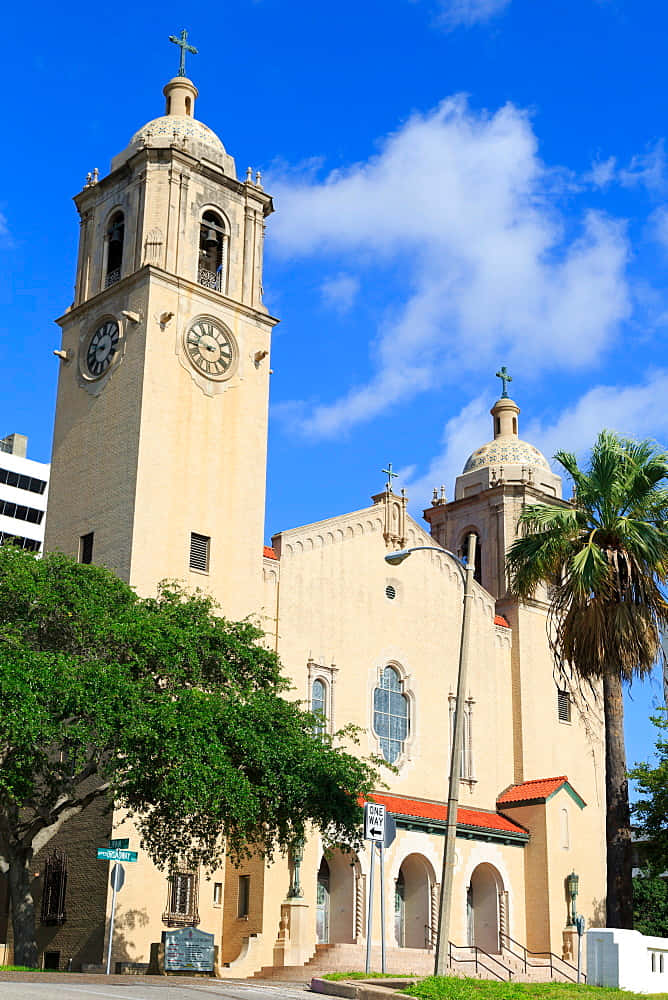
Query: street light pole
point(447, 878)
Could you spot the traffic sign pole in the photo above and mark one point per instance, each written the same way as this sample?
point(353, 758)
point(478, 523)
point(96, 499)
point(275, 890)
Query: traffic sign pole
point(382, 907)
point(117, 875)
point(369, 922)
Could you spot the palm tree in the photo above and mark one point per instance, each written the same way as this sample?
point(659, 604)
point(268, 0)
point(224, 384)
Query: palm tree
point(606, 556)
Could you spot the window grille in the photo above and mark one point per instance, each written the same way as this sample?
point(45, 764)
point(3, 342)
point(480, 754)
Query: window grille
point(390, 592)
point(182, 899)
point(86, 548)
point(210, 279)
point(199, 552)
point(564, 706)
point(244, 896)
point(390, 714)
point(54, 888)
point(113, 277)
point(8, 478)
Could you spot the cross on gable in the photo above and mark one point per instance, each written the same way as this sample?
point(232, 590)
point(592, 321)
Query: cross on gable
point(390, 475)
point(505, 378)
point(182, 42)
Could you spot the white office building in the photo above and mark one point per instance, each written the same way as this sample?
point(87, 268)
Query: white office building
point(24, 487)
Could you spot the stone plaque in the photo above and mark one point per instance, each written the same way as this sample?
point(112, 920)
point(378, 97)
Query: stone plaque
point(188, 949)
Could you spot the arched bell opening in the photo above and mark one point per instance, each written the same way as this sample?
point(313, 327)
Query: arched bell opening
point(114, 251)
point(486, 908)
point(212, 263)
point(413, 903)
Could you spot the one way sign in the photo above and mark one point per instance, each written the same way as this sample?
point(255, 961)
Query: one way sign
point(374, 822)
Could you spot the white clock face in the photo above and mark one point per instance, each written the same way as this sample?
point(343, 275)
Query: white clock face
point(100, 349)
point(210, 348)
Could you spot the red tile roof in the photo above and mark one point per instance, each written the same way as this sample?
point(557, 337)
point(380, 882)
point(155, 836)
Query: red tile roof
point(500, 620)
point(269, 553)
point(538, 788)
point(400, 805)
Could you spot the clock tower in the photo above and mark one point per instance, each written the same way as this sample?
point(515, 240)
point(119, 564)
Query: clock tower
point(159, 454)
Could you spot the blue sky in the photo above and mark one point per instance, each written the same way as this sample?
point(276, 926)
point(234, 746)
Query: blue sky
point(459, 184)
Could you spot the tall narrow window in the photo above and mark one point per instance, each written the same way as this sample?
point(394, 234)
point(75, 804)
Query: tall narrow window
point(390, 714)
point(86, 547)
point(54, 888)
point(212, 252)
point(115, 236)
point(199, 552)
point(319, 705)
point(463, 550)
point(182, 901)
point(244, 896)
point(466, 771)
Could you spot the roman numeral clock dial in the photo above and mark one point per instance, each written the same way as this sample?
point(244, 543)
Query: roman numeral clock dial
point(101, 349)
point(211, 349)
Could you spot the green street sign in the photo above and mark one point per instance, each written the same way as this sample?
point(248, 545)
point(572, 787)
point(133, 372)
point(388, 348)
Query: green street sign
point(120, 843)
point(115, 854)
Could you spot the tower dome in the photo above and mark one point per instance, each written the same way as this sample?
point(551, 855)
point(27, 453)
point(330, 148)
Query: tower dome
point(179, 127)
point(506, 448)
point(506, 460)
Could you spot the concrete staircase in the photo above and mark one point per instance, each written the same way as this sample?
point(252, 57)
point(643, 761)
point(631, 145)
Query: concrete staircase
point(420, 961)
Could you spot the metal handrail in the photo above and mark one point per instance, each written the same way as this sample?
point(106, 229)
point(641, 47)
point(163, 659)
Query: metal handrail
point(475, 949)
point(537, 965)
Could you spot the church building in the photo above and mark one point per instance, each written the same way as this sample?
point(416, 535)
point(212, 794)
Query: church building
point(158, 471)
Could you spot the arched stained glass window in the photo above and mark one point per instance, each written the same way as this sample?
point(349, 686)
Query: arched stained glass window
point(390, 714)
point(319, 703)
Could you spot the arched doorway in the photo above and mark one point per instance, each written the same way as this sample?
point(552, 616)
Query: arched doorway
point(322, 904)
point(483, 908)
point(412, 903)
point(339, 899)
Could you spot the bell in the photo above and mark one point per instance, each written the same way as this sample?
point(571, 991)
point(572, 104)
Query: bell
point(116, 234)
point(211, 239)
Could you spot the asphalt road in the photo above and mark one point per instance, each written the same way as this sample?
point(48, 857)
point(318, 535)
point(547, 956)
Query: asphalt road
point(79, 989)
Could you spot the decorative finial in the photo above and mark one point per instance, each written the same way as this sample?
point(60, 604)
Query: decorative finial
point(390, 476)
point(249, 175)
point(182, 42)
point(258, 179)
point(505, 378)
point(443, 497)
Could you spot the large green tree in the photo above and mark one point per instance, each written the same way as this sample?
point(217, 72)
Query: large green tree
point(159, 705)
point(605, 556)
point(651, 806)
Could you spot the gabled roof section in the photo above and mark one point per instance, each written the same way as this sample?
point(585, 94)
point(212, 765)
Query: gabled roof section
point(537, 790)
point(470, 822)
point(269, 553)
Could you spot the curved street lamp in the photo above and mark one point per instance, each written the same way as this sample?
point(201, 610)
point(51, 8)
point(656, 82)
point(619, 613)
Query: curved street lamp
point(447, 878)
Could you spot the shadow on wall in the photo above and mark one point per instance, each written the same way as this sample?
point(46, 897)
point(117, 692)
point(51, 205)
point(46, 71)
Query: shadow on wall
point(599, 916)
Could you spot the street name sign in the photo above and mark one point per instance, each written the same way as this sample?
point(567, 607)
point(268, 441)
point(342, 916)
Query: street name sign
point(374, 822)
point(120, 843)
point(114, 854)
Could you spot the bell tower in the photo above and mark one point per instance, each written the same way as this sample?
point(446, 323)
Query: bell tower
point(159, 454)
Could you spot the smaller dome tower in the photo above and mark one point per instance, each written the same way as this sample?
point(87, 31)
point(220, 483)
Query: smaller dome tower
point(497, 480)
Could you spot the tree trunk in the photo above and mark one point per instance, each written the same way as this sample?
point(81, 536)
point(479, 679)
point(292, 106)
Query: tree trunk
point(618, 818)
point(23, 908)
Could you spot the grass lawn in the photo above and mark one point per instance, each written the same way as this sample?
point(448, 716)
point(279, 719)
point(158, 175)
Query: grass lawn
point(454, 988)
point(17, 968)
point(371, 975)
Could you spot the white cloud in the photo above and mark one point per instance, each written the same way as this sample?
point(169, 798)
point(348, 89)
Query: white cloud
point(458, 203)
point(635, 410)
point(659, 225)
point(340, 291)
point(602, 172)
point(468, 12)
point(4, 227)
point(646, 169)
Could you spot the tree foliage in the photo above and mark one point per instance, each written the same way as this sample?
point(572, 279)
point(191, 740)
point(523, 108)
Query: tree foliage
point(650, 904)
point(162, 706)
point(605, 556)
point(651, 806)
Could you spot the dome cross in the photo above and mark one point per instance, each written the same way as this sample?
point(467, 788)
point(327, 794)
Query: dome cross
point(182, 42)
point(505, 378)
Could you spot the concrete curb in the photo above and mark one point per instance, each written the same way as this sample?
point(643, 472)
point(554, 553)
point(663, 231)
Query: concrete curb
point(361, 989)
